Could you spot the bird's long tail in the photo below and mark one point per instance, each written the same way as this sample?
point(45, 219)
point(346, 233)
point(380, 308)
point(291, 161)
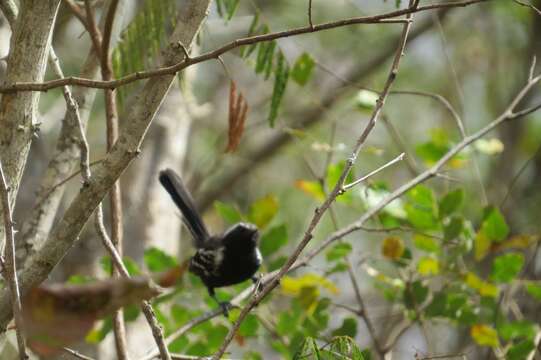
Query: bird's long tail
point(174, 186)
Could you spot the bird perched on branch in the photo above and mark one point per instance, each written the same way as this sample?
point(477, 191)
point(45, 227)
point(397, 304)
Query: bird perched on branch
point(220, 260)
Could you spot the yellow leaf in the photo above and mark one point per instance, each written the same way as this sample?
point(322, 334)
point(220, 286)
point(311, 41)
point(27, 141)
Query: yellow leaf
point(482, 245)
point(428, 266)
point(484, 335)
point(393, 248)
point(488, 289)
point(516, 242)
point(294, 286)
point(311, 188)
point(484, 288)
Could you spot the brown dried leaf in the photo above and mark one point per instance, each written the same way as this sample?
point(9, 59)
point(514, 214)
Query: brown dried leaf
point(238, 110)
point(171, 277)
point(57, 315)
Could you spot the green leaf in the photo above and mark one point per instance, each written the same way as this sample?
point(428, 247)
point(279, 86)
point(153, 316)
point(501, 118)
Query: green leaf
point(506, 267)
point(494, 225)
point(421, 208)
point(252, 355)
point(493, 229)
point(215, 337)
point(453, 228)
point(415, 295)
point(534, 290)
point(302, 69)
point(231, 7)
point(265, 55)
point(346, 347)
point(520, 351)
point(278, 263)
point(339, 251)
point(156, 260)
point(308, 350)
point(227, 212)
point(517, 329)
point(262, 211)
point(348, 328)
point(438, 306)
point(273, 240)
point(249, 326)
point(451, 202)
point(281, 76)
point(426, 243)
point(430, 153)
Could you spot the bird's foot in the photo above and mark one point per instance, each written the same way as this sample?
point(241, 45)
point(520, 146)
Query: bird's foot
point(225, 306)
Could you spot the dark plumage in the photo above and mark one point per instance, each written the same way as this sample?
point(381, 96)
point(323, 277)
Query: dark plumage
point(220, 260)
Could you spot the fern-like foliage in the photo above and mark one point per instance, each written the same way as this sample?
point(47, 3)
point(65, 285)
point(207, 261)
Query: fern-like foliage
point(142, 39)
point(339, 348)
point(270, 59)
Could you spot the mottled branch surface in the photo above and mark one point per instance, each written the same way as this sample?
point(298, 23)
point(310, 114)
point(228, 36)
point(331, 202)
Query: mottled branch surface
point(26, 61)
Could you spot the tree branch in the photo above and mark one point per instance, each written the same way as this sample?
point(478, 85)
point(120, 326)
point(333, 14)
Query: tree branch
point(387, 18)
point(11, 267)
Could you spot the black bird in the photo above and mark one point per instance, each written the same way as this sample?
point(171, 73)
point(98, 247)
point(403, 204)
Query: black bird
point(220, 260)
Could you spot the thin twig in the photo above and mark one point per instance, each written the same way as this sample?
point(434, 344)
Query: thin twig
point(397, 138)
point(518, 174)
point(115, 198)
point(372, 173)
point(528, 5)
point(387, 18)
point(333, 194)
point(76, 354)
point(77, 12)
point(362, 311)
point(310, 14)
point(10, 264)
point(92, 28)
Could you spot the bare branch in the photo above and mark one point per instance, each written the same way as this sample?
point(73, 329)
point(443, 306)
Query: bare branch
point(387, 18)
point(11, 267)
point(362, 311)
point(76, 354)
point(528, 5)
point(310, 14)
point(372, 173)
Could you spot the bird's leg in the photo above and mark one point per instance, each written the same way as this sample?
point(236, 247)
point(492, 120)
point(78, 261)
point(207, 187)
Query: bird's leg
point(224, 305)
point(256, 279)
